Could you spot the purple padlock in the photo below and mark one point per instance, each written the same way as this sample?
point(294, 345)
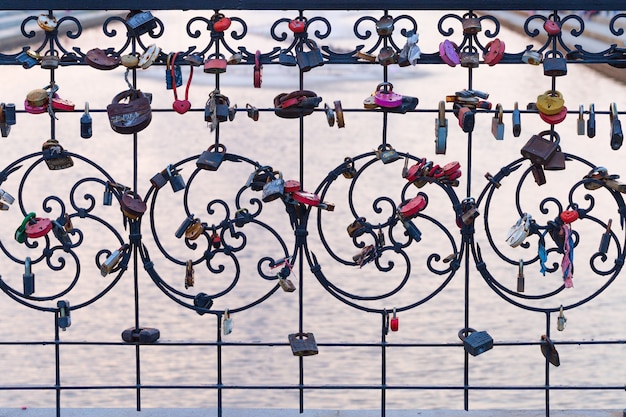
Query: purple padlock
point(448, 53)
point(385, 97)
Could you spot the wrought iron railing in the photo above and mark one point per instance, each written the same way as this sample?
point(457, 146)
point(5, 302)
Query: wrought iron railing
point(426, 216)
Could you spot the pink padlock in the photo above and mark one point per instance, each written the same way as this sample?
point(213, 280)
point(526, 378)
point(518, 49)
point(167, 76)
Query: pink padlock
point(385, 97)
point(448, 53)
point(552, 27)
point(494, 52)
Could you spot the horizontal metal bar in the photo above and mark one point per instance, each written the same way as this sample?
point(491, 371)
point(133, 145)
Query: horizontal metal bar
point(311, 5)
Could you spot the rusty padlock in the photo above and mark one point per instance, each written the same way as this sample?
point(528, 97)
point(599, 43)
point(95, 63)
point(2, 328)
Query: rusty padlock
point(215, 64)
point(471, 25)
point(384, 26)
point(54, 155)
point(274, 187)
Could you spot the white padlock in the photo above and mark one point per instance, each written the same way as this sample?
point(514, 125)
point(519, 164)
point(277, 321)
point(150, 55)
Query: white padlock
point(227, 326)
point(518, 232)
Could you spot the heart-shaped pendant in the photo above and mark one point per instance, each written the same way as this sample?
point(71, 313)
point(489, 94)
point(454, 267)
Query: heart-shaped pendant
point(181, 106)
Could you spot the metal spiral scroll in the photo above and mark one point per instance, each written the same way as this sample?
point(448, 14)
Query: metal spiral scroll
point(548, 293)
point(395, 257)
point(210, 264)
point(49, 252)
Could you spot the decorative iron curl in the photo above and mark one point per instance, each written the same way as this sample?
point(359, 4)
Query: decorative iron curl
point(614, 19)
point(217, 37)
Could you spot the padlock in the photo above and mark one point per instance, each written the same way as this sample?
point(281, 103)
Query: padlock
point(27, 60)
point(410, 208)
point(349, 171)
point(215, 64)
point(258, 178)
point(47, 22)
point(235, 59)
point(384, 26)
point(380, 236)
point(242, 217)
point(159, 179)
point(140, 22)
point(469, 57)
point(411, 229)
point(286, 284)
point(394, 322)
point(471, 25)
point(387, 56)
point(222, 104)
point(448, 53)
point(494, 52)
point(591, 122)
point(475, 342)
point(469, 212)
point(86, 123)
point(202, 302)
point(465, 116)
point(550, 102)
point(212, 158)
point(66, 222)
point(141, 335)
point(189, 274)
point(303, 344)
point(561, 320)
point(37, 227)
point(532, 57)
point(497, 125)
point(65, 319)
point(227, 323)
point(580, 123)
point(252, 111)
point(554, 64)
point(548, 350)
point(330, 115)
point(538, 174)
point(176, 180)
point(194, 230)
point(357, 228)
point(102, 59)
point(28, 278)
point(517, 123)
point(232, 112)
point(149, 56)
point(307, 60)
point(50, 61)
point(61, 234)
point(556, 161)
point(385, 97)
point(220, 22)
point(441, 130)
point(539, 149)
point(520, 276)
point(519, 231)
point(112, 261)
point(173, 73)
point(183, 226)
point(387, 154)
point(4, 196)
point(606, 238)
point(20, 232)
point(132, 205)
point(569, 216)
point(554, 118)
point(274, 187)
point(339, 114)
point(298, 25)
point(216, 240)
point(286, 57)
point(617, 136)
point(107, 198)
point(132, 61)
point(258, 70)
point(551, 27)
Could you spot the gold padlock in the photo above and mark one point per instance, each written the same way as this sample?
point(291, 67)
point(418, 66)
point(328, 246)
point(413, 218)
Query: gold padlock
point(550, 102)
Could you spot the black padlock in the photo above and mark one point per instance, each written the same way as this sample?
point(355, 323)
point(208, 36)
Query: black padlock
point(539, 149)
point(465, 116)
point(222, 105)
point(411, 230)
point(286, 58)
point(176, 180)
point(86, 124)
point(242, 217)
point(591, 122)
point(59, 232)
point(617, 136)
point(8, 111)
point(303, 344)
point(554, 64)
point(141, 335)
point(65, 319)
point(141, 22)
point(538, 174)
point(212, 158)
point(107, 199)
point(202, 302)
point(475, 342)
point(309, 59)
point(556, 162)
point(28, 278)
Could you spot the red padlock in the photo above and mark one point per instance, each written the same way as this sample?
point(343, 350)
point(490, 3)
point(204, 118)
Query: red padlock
point(258, 70)
point(216, 241)
point(291, 186)
point(555, 118)
point(451, 167)
point(494, 53)
point(569, 216)
point(385, 97)
point(38, 227)
point(552, 27)
point(215, 64)
point(62, 104)
point(221, 23)
point(394, 323)
point(298, 25)
point(304, 197)
point(412, 207)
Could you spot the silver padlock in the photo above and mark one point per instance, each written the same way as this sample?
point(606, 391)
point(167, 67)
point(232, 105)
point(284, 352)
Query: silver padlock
point(273, 188)
point(227, 325)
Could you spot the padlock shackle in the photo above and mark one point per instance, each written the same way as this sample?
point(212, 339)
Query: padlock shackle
point(467, 330)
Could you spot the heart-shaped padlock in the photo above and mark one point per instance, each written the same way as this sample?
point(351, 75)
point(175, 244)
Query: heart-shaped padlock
point(220, 22)
point(38, 227)
point(551, 27)
point(448, 53)
point(569, 216)
point(181, 106)
point(307, 198)
point(385, 97)
point(550, 102)
point(298, 25)
point(494, 53)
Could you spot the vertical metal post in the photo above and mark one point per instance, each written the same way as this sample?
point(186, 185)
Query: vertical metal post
point(219, 365)
point(547, 365)
point(57, 364)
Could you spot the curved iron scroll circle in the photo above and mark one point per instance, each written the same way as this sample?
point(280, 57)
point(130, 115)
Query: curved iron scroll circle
point(49, 253)
point(219, 269)
point(594, 202)
point(378, 267)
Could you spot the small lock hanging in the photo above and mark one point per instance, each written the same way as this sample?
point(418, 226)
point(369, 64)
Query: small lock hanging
point(173, 73)
point(189, 274)
point(516, 119)
point(216, 240)
point(538, 149)
point(448, 53)
point(561, 320)
point(287, 58)
point(348, 170)
point(55, 156)
point(387, 154)
point(28, 278)
point(357, 228)
point(384, 26)
point(298, 25)
point(591, 122)
point(606, 238)
point(520, 276)
point(141, 22)
point(86, 123)
point(113, 260)
point(194, 230)
point(469, 211)
point(554, 64)
point(394, 322)
point(227, 323)
point(176, 180)
point(550, 103)
point(580, 122)
point(469, 57)
point(617, 136)
point(181, 106)
point(274, 187)
point(132, 205)
point(212, 158)
point(385, 97)
point(471, 24)
point(441, 130)
point(494, 52)
point(258, 70)
point(497, 125)
point(64, 318)
point(215, 64)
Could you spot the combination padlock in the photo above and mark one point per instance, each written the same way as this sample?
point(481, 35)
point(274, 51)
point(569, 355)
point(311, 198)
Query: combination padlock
point(189, 274)
point(387, 154)
point(86, 123)
point(497, 125)
point(274, 187)
point(140, 22)
point(212, 158)
point(28, 279)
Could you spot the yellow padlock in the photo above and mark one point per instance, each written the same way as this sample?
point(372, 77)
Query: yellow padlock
point(550, 102)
